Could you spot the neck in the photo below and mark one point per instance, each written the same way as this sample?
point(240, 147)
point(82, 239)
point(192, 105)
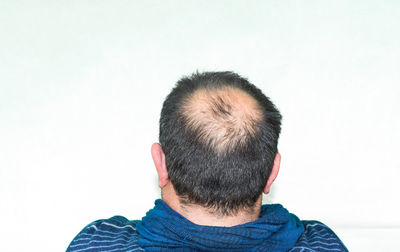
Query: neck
point(204, 216)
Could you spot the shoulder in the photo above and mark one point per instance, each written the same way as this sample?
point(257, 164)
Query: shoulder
point(318, 237)
point(113, 234)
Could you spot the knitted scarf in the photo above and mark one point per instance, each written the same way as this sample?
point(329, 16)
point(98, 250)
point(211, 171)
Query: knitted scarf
point(163, 229)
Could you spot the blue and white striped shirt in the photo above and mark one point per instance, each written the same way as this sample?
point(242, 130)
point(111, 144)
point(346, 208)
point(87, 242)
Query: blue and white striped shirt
point(120, 234)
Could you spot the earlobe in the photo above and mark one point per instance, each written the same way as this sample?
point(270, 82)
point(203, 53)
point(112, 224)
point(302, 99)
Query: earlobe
point(160, 164)
point(274, 173)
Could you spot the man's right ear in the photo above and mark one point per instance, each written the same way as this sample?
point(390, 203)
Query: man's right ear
point(274, 173)
point(159, 161)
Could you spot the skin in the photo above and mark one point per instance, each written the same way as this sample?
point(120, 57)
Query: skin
point(198, 214)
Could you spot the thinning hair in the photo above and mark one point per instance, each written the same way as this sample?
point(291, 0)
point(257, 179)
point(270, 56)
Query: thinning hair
point(219, 134)
point(223, 117)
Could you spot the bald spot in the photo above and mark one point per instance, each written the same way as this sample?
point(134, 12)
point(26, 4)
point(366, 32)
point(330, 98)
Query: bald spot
point(224, 117)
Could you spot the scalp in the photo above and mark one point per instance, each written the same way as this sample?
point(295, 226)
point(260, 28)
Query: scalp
point(222, 117)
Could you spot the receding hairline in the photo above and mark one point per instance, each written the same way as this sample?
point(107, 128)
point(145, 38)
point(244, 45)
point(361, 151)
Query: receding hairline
point(223, 116)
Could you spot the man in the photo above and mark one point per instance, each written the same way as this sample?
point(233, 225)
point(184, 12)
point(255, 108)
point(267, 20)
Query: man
point(217, 155)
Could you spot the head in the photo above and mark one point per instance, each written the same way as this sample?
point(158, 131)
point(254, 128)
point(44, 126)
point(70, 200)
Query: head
point(218, 142)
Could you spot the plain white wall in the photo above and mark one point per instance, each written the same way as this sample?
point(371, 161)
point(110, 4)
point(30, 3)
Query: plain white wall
point(82, 84)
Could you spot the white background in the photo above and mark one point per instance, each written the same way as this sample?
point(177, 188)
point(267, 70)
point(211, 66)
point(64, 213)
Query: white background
point(82, 84)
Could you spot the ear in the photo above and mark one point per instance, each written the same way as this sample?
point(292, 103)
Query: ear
point(274, 172)
point(160, 164)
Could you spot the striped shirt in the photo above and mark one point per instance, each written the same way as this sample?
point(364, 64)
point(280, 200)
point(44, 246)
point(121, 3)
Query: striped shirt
point(120, 234)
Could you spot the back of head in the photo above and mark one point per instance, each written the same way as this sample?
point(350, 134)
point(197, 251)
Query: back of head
point(219, 134)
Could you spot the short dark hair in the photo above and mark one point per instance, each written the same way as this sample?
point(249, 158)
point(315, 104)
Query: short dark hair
point(219, 151)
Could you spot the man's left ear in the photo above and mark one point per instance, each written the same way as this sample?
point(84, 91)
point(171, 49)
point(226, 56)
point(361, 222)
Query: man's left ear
point(274, 172)
point(159, 162)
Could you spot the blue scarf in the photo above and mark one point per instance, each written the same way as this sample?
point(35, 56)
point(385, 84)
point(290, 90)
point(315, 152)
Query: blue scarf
point(163, 229)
